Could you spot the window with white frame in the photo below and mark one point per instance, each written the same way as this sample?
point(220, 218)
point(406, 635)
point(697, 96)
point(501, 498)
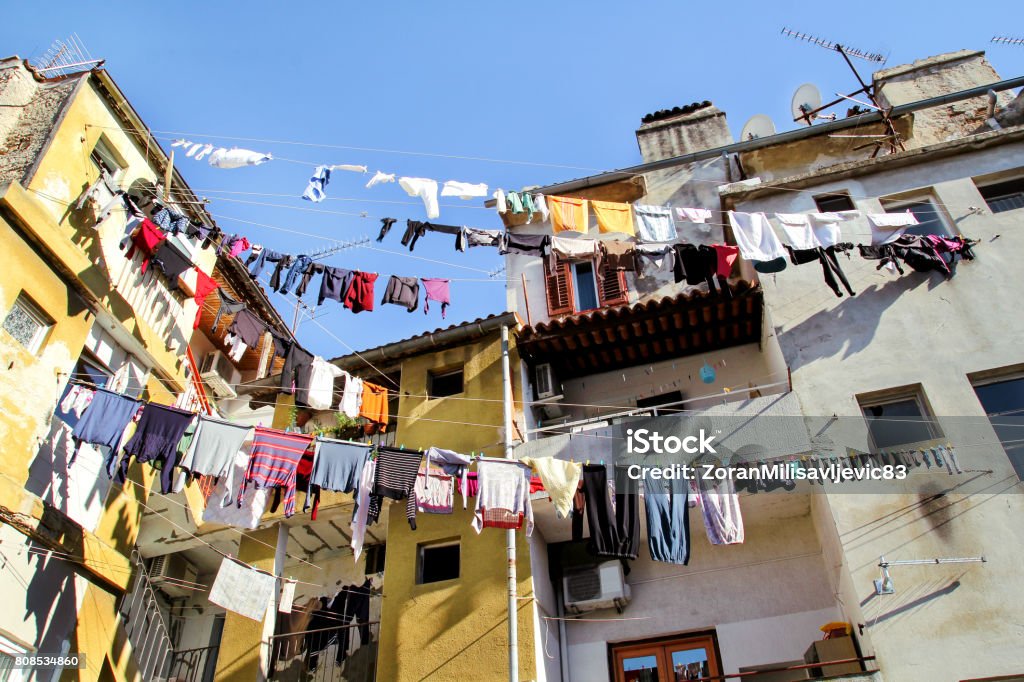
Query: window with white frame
point(929, 217)
point(9, 652)
point(106, 158)
point(1002, 396)
point(27, 323)
point(898, 417)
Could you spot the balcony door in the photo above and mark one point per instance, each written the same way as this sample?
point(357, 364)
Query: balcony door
point(669, 660)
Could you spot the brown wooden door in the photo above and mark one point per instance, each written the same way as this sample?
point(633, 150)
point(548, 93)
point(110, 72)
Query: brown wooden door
point(671, 660)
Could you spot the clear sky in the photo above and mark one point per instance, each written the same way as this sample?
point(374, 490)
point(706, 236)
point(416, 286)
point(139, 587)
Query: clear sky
point(537, 92)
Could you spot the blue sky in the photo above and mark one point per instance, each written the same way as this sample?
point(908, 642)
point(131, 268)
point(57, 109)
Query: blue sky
point(557, 87)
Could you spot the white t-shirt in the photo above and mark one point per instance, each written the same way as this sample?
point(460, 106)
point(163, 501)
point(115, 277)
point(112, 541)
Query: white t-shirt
point(321, 384)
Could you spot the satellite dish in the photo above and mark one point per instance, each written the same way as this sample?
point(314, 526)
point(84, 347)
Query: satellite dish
point(759, 125)
point(805, 100)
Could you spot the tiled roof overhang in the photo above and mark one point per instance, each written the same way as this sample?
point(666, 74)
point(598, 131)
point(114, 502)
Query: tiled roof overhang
point(661, 329)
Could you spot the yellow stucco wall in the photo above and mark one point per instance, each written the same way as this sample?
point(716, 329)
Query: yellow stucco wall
point(31, 384)
point(456, 629)
point(78, 254)
point(239, 657)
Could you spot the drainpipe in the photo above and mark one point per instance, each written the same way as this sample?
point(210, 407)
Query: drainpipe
point(510, 535)
point(563, 643)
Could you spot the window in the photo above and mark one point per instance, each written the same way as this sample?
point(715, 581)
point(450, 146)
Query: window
point(929, 219)
point(573, 287)
point(585, 284)
point(898, 418)
point(106, 158)
point(1004, 196)
point(835, 201)
point(90, 370)
point(9, 651)
point(1003, 400)
point(375, 559)
point(666, 660)
point(444, 383)
point(27, 323)
point(436, 562)
point(670, 398)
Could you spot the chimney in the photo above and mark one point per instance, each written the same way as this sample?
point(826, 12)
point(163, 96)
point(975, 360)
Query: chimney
point(682, 130)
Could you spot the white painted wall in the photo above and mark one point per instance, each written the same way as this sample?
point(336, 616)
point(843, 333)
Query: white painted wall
point(743, 366)
point(765, 598)
point(919, 329)
point(545, 604)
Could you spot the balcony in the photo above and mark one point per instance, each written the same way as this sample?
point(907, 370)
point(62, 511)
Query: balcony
point(686, 324)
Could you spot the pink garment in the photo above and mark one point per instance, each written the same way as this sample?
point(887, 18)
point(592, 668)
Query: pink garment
point(945, 244)
point(437, 290)
point(238, 246)
point(472, 485)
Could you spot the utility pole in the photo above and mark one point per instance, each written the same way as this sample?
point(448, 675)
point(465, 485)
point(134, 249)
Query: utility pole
point(510, 534)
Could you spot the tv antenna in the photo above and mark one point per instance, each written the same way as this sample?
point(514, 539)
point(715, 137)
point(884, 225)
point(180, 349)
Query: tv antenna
point(758, 126)
point(66, 57)
point(1006, 40)
point(891, 139)
point(320, 254)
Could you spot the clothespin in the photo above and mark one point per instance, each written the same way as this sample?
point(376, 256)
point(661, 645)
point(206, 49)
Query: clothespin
point(602, 462)
point(588, 462)
point(402, 446)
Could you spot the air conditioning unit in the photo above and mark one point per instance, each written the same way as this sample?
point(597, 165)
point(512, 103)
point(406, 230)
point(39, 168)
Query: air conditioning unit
point(596, 587)
point(220, 374)
point(544, 383)
point(169, 571)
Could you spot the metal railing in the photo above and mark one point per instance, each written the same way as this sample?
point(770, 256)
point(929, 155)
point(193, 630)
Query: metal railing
point(144, 624)
point(193, 665)
point(677, 407)
point(342, 652)
point(815, 669)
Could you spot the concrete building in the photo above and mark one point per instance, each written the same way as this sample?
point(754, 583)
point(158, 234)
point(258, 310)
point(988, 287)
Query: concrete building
point(784, 344)
point(76, 309)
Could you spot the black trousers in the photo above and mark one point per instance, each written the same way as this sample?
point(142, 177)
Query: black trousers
point(612, 533)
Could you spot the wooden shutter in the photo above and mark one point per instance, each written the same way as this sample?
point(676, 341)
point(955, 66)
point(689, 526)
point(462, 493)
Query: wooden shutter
point(558, 286)
point(613, 289)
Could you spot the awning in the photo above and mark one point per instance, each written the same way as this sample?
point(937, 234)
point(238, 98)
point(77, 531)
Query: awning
point(659, 329)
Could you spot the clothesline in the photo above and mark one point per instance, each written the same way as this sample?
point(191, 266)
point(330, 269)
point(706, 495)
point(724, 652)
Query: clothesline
point(717, 183)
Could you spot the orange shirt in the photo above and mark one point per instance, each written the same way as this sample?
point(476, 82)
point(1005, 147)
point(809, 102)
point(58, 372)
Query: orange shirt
point(375, 403)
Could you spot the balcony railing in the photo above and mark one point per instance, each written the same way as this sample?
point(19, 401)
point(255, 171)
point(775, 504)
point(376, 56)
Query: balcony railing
point(343, 652)
point(677, 407)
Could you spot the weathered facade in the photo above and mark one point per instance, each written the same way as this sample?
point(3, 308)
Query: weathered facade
point(76, 309)
point(809, 556)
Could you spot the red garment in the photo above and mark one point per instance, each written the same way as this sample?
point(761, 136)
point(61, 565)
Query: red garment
point(205, 286)
point(726, 257)
point(472, 483)
point(146, 239)
point(535, 484)
point(360, 294)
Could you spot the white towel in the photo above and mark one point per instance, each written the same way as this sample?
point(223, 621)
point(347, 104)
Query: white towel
point(798, 230)
point(693, 215)
point(887, 227)
point(755, 237)
point(463, 190)
point(380, 177)
point(236, 158)
point(425, 189)
point(350, 167)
